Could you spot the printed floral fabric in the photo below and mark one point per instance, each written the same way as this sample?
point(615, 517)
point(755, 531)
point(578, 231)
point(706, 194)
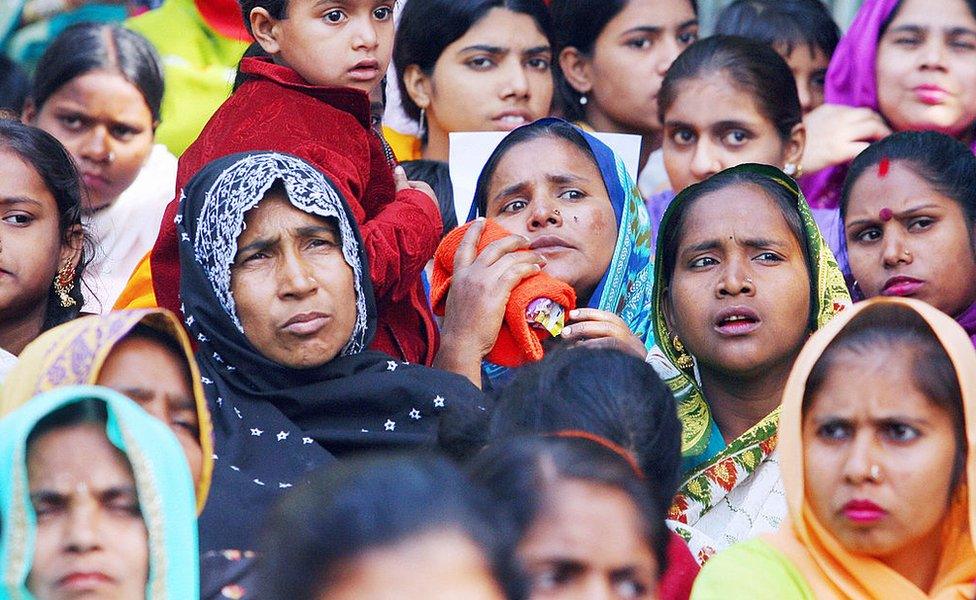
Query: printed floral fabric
point(716, 470)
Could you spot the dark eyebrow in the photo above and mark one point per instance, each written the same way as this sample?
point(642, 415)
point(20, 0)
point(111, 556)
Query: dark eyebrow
point(538, 50)
point(674, 124)
point(961, 31)
point(515, 188)
point(703, 247)
point(484, 48)
point(115, 491)
point(760, 243)
point(9, 200)
point(258, 244)
point(564, 178)
point(310, 230)
point(651, 29)
point(898, 215)
point(47, 496)
point(917, 29)
point(757, 243)
point(688, 23)
point(731, 124)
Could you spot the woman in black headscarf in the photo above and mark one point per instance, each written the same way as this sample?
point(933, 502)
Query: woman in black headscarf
point(276, 291)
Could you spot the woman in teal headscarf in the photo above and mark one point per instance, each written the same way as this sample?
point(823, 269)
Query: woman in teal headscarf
point(579, 213)
point(95, 495)
point(744, 277)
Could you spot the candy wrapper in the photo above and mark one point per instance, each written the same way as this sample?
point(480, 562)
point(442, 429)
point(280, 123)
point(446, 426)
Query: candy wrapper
point(543, 313)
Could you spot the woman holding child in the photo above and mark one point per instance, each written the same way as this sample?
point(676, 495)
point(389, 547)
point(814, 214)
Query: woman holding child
point(277, 295)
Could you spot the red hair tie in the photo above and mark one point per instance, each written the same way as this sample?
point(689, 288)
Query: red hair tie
point(620, 451)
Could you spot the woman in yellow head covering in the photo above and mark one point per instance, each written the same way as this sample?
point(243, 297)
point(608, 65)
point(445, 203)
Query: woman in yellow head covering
point(877, 432)
point(145, 354)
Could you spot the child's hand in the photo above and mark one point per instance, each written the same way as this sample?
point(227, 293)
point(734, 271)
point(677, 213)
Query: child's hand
point(601, 329)
point(402, 183)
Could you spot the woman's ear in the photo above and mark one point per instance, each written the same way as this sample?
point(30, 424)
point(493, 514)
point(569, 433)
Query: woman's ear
point(666, 309)
point(71, 246)
point(576, 69)
point(795, 146)
point(29, 113)
point(264, 27)
point(418, 85)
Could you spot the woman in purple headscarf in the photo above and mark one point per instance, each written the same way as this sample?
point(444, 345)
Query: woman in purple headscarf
point(911, 61)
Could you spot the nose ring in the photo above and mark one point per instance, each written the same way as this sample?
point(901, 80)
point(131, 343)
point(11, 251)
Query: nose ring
point(875, 474)
point(908, 254)
point(111, 156)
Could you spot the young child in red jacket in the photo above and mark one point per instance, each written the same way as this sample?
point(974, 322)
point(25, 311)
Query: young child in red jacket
point(310, 99)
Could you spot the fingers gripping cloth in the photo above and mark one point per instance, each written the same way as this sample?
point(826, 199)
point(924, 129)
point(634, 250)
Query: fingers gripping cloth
point(518, 341)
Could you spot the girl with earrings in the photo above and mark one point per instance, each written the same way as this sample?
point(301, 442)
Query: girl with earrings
point(98, 90)
point(611, 59)
point(743, 278)
point(42, 259)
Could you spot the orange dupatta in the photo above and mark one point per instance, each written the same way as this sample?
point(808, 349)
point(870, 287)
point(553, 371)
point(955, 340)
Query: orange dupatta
point(829, 569)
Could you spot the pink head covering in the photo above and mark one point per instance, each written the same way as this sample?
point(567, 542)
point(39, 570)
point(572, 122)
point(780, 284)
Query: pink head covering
point(852, 81)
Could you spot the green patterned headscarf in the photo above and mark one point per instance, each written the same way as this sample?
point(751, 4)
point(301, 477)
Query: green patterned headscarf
point(163, 483)
point(701, 441)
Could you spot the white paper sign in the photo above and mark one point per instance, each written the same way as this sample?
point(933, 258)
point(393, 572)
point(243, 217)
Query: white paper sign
point(471, 150)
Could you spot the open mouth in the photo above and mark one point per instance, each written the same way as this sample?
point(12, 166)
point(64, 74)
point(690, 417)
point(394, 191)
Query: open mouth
point(511, 120)
point(737, 321)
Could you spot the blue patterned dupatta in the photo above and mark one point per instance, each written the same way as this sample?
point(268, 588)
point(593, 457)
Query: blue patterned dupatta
point(625, 288)
point(163, 483)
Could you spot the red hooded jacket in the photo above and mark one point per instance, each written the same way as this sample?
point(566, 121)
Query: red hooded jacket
point(277, 110)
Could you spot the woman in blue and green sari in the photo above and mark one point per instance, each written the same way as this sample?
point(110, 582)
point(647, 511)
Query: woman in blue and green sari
point(95, 497)
point(573, 212)
point(744, 277)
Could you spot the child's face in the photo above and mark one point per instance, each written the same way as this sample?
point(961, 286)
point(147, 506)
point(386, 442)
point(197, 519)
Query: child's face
point(346, 43)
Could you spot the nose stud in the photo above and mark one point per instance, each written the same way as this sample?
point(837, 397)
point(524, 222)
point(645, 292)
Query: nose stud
point(556, 212)
point(875, 474)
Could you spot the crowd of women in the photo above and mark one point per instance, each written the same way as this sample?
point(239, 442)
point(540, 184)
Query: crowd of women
point(752, 374)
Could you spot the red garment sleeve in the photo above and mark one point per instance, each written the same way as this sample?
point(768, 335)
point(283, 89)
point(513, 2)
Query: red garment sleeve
point(399, 241)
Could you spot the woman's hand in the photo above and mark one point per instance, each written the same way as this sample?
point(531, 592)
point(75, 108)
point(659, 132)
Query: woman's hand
point(836, 134)
point(475, 305)
point(601, 329)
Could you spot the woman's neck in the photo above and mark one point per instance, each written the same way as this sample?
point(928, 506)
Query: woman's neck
point(650, 140)
point(438, 145)
point(17, 332)
point(918, 561)
point(738, 403)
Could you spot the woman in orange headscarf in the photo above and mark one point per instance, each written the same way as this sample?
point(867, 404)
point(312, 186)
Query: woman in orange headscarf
point(877, 434)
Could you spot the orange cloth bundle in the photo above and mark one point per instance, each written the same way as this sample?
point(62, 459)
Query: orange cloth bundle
point(518, 342)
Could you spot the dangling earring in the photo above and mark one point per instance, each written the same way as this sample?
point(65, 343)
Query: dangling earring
point(64, 283)
point(793, 170)
point(583, 100)
point(423, 122)
point(683, 360)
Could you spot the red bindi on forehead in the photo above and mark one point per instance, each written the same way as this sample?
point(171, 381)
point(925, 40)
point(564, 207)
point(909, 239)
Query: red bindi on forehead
point(884, 167)
point(885, 214)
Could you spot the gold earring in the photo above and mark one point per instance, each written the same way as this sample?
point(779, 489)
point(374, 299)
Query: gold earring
point(63, 284)
point(683, 359)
